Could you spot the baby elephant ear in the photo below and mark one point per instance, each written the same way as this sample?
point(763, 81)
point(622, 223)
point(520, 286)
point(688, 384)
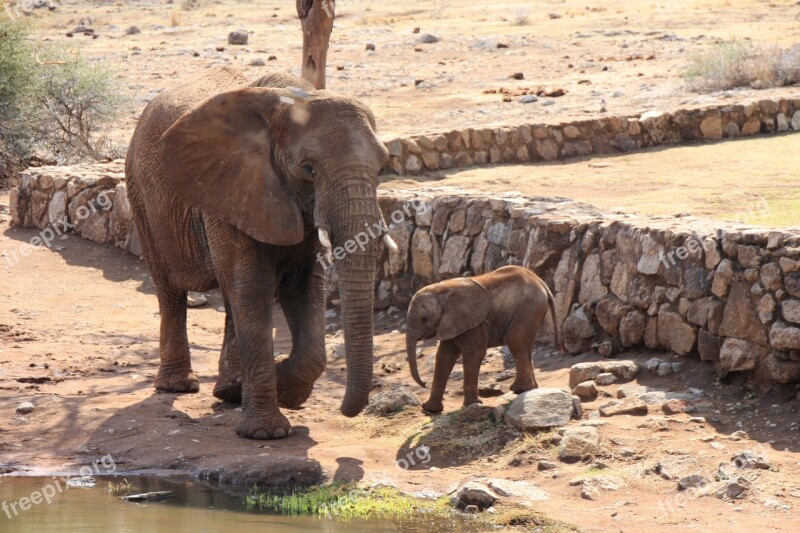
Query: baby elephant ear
point(218, 159)
point(465, 304)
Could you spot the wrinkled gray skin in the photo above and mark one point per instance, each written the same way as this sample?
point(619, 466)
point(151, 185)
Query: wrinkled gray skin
point(227, 186)
point(469, 315)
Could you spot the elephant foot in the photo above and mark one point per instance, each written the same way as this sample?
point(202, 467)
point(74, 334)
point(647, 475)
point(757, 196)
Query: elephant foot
point(432, 406)
point(230, 391)
point(262, 427)
point(471, 401)
point(520, 388)
point(177, 381)
point(292, 391)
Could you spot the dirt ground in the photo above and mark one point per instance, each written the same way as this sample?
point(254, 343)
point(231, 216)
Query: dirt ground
point(748, 181)
point(79, 322)
point(621, 56)
point(79, 339)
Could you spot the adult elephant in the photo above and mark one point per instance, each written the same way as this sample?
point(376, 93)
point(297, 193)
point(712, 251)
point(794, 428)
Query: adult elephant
point(228, 180)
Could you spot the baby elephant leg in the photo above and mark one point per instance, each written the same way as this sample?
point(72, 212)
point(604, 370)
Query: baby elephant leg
point(473, 346)
point(446, 356)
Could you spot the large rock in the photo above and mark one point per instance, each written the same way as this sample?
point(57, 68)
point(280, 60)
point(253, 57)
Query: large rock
point(791, 311)
point(783, 336)
point(455, 255)
point(780, 371)
point(592, 288)
point(579, 330)
point(652, 255)
point(739, 355)
point(238, 38)
point(740, 318)
point(540, 409)
point(675, 334)
point(422, 254)
point(631, 329)
point(522, 492)
point(579, 443)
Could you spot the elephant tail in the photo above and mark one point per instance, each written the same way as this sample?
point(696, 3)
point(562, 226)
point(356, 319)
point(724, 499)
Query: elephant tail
point(552, 304)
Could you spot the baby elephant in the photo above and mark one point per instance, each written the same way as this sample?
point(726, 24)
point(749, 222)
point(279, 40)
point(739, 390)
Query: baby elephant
point(469, 315)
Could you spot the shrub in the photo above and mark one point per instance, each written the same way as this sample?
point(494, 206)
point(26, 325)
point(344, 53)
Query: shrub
point(739, 63)
point(53, 104)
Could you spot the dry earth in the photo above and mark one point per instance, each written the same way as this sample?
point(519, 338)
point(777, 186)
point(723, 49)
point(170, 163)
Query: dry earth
point(78, 326)
point(78, 338)
point(621, 56)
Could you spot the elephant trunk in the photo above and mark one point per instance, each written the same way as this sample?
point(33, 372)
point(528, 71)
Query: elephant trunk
point(316, 18)
point(411, 355)
point(356, 254)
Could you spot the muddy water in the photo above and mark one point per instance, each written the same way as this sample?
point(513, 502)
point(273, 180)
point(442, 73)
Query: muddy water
point(194, 508)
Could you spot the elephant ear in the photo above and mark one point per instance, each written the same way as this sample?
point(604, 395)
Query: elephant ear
point(465, 304)
point(218, 159)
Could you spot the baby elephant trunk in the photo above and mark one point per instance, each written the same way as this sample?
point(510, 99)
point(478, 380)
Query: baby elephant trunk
point(411, 355)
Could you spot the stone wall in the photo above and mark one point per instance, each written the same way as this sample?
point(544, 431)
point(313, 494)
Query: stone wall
point(540, 142)
point(729, 294)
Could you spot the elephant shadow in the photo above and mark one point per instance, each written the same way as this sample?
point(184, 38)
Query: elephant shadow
point(158, 435)
point(455, 439)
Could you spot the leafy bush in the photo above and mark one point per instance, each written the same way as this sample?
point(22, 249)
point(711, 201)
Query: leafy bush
point(53, 104)
point(739, 63)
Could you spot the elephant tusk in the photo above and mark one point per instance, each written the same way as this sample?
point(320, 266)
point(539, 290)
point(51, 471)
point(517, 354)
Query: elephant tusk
point(389, 242)
point(324, 238)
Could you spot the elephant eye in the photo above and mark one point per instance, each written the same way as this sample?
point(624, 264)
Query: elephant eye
point(308, 168)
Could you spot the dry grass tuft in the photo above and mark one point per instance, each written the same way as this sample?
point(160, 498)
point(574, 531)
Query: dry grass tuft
point(739, 63)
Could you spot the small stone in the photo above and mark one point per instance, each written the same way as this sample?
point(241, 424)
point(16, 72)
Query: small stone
point(694, 481)
point(675, 406)
point(427, 38)
point(24, 408)
point(489, 390)
point(540, 409)
point(586, 391)
point(133, 30)
point(734, 490)
point(391, 401)
point(750, 461)
point(578, 443)
point(370, 46)
point(625, 406)
point(546, 465)
point(196, 299)
point(238, 37)
point(257, 63)
point(477, 494)
point(517, 76)
point(605, 378)
point(528, 99)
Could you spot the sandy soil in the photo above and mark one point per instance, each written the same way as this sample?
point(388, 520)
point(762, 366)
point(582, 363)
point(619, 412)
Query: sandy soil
point(78, 338)
point(624, 57)
point(748, 181)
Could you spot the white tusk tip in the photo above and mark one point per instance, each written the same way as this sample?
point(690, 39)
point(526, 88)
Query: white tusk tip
point(324, 238)
point(389, 242)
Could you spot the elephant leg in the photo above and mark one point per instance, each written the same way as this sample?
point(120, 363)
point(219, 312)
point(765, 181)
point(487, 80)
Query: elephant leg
point(473, 345)
point(302, 299)
point(175, 371)
point(229, 377)
point(446, 355)
point(521, 346)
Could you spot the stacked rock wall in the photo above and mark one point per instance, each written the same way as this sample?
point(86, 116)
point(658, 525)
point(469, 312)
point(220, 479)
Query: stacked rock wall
point(540, 142)
point(728, 294)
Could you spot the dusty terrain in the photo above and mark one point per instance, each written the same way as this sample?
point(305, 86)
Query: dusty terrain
point(749, 181)
point(78, 338)
point(79, 323)
point(624, 57)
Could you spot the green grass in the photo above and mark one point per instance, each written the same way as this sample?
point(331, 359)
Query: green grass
point(349, 501)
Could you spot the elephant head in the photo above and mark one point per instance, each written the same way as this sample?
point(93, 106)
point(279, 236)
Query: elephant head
point(277, 168)
point(316, 18)
point(444, 310)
